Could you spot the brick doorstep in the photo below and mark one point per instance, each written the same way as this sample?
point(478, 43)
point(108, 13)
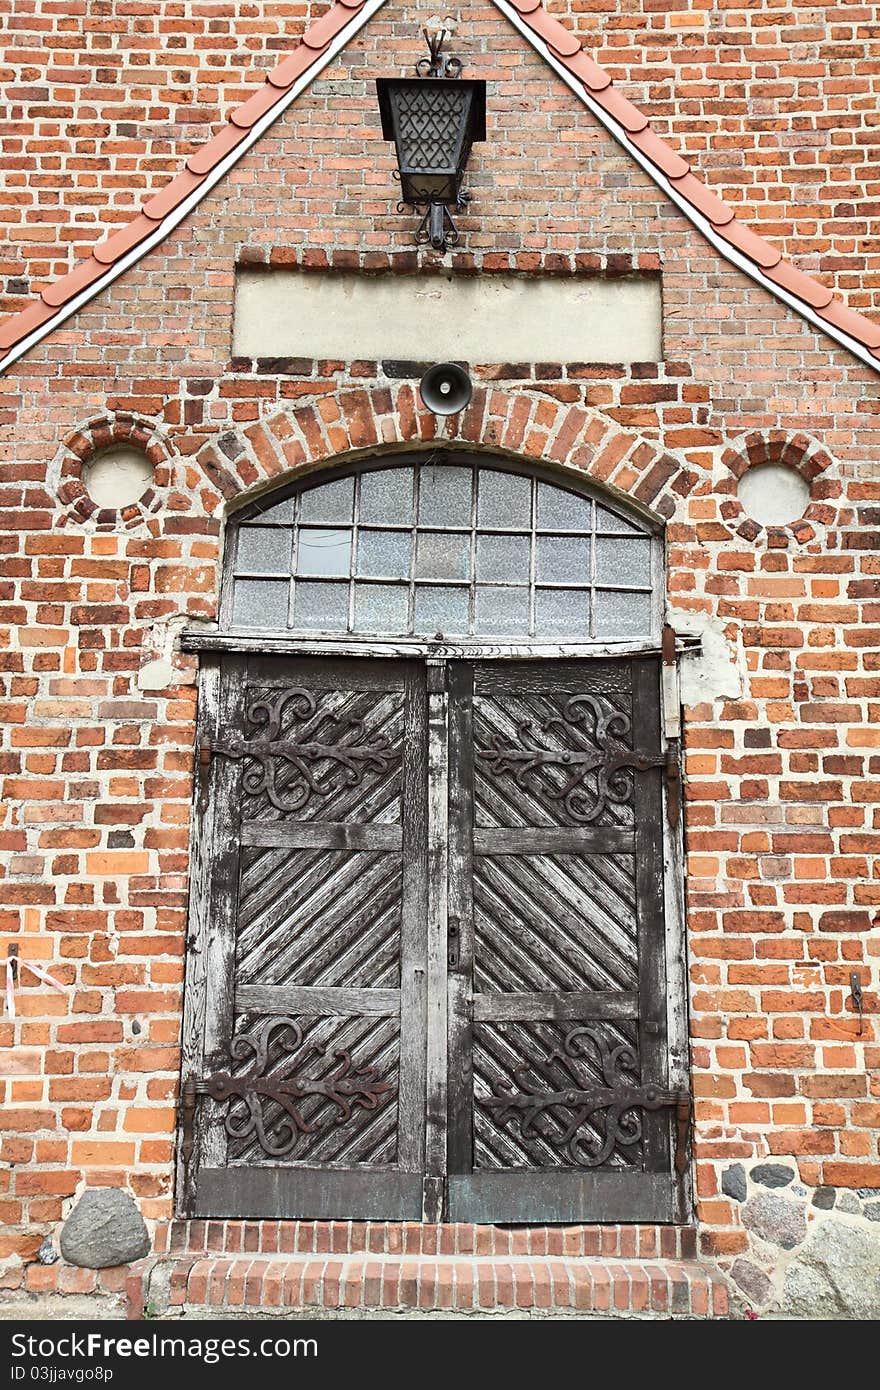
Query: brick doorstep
point(352, 1285)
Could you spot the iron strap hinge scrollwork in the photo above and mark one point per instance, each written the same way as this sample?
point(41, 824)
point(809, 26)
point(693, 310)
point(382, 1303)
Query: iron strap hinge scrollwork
point(673, 782)
point(315, 768)
point(684, 1110)
point(347, 1087)
point(568, 1106)
point(186, 1107)
point(587, 781)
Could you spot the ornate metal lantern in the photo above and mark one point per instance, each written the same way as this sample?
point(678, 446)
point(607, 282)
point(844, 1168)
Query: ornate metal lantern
point(433, 119)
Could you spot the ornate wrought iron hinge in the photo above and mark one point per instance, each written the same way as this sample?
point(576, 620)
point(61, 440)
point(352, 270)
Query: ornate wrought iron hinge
point(684, 1110)
point(673, 782)
point(187, 1115)
point(354, 752)
point(619, 1099)
point(587, 781)
point(348, 1087)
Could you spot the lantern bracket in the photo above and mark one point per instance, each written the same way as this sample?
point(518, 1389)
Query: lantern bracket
point(438, 65)
point(437, 226)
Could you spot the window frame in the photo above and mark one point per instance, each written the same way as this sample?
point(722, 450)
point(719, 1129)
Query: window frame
point(330, 639)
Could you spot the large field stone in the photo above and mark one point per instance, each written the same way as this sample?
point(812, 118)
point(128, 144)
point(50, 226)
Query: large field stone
point(836, 1274)
point(775, 1218)
point(105, 1228)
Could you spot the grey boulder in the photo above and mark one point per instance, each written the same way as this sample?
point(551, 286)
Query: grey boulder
point(105, 1228)
point(836, 1273)
point(776, 1219)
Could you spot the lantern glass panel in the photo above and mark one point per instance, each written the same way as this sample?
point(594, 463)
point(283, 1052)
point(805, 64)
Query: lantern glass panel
point(431, 120)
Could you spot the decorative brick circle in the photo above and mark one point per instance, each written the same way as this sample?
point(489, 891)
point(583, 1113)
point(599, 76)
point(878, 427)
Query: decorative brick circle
point(85, 444)
point(796, 451)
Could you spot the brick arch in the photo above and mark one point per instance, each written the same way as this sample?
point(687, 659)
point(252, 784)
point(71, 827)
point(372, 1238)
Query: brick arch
point(525, 423)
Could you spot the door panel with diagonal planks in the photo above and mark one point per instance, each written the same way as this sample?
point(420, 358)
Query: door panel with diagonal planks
point(393, 850)
point(312, 1102)
point(558, 1054)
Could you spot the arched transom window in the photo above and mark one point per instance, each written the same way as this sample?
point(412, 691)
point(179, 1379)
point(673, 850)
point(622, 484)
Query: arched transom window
point(457, 549)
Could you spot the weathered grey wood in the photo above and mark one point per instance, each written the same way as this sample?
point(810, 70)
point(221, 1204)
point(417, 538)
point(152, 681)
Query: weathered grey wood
point(281, 671)
point(321, 835)
point(576, 1004)
point(435, 842)
point(561, 677)
point(225, 793)
point(198, 924)
point(461, 917)
point(562, 1197)
point(652, 940)
point(411, 1122)
point(550, 840)
point(524, 1179)
point(326, 1194)
point(306, 892)
point(677, 1039)
point(272, 642)
point(436, 1045)
point(311, 999)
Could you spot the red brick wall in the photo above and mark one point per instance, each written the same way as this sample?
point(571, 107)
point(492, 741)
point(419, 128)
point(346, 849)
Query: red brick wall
point(775, 104)
point(781, 780)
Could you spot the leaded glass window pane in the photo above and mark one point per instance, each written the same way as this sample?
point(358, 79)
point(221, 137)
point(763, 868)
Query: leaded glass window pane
point(264, 550)
point(384, 554)
point(387, 497)
point(441, 609)
point(260, 603)
point(461, 549)
point(443, 556)
point(322, 551)
point(381, 608)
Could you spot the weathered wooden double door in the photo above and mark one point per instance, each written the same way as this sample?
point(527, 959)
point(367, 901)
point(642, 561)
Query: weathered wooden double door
point(430, 978)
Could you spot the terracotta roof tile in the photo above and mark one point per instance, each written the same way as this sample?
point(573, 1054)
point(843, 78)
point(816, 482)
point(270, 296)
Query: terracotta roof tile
point(222, 144)
point(584, 67)
point(750, 244)
point(552, 31)
point(707, 203)
point(331, 23)
point(664, 156)
point(294, 65)
point(849, 321)
point(172, 195)
point(621, 109)
point(802, 286)
point(82, 275)
point(13, 329)
point(257, 105)
point(115, 246)
point(768, 267)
